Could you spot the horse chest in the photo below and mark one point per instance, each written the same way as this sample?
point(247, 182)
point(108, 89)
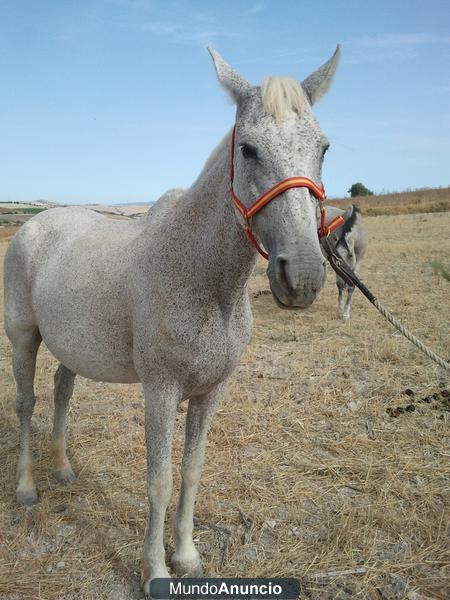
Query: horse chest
point(215, 354)
point(201, 350)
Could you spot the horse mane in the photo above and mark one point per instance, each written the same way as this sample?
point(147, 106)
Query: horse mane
point(347, 227)
point(349, 224)
point(282, 96)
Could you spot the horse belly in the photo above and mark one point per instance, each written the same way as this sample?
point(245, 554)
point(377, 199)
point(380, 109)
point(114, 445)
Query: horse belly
point(87, 332)
point(93, 362)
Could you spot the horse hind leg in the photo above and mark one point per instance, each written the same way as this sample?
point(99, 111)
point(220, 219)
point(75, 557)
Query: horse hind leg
point(25, 347)
point(64, 382)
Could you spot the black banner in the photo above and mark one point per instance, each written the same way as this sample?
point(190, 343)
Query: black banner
point(224, 589)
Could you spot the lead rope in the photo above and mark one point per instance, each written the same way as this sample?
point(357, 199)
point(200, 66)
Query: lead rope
point(350, 277)
point(409, 336)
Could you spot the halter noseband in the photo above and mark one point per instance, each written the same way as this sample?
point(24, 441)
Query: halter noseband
point(273, 192)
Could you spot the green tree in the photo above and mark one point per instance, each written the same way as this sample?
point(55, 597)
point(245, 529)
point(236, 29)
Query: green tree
point(358, 189)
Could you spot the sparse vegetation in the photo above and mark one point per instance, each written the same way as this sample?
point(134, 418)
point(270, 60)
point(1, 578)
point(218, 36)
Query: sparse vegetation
point(440, 269)
point(30, 210)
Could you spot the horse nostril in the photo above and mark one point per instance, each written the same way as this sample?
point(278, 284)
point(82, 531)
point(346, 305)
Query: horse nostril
point(282, 272)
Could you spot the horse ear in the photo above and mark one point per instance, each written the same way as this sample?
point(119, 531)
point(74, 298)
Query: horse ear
point(317, 84)
point(230, 79)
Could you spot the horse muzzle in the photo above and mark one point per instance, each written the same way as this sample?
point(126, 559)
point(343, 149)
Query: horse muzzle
point(295, 283)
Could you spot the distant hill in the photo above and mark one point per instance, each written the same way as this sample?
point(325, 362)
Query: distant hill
point(417, 201)
point(123, 210)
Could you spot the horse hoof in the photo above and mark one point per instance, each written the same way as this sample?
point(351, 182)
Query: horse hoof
point(187, 568)
point(148, 574)
point(146, 586)
point(146, 590)
point(64, 476)
point(196, 571)
point(27, 498)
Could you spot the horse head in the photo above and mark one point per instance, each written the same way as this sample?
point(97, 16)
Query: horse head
point(277, 138)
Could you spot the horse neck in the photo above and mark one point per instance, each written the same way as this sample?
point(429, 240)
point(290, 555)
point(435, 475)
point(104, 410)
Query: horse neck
point(218, 239)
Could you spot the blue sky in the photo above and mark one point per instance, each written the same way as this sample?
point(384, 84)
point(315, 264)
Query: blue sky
point(117, 100)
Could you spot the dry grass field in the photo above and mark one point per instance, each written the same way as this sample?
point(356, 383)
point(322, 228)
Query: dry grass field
point(417, 201)
point(312, 469)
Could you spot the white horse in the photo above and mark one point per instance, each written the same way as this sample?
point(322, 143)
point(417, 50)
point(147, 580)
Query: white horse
point(163, 300)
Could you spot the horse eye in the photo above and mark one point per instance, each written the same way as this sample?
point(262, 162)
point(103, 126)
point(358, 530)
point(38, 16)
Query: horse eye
point(249, 151)
point(324, 151)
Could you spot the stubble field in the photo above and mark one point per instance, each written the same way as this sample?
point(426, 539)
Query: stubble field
point(312, 470)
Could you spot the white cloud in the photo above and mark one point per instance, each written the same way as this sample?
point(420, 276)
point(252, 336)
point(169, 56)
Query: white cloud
point(159, 28)
point(197, 28)
point(255, 8)
point(399, 40)
point(395, 46)
point(441, 89)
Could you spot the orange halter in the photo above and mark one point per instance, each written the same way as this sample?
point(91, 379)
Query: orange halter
point(273, 192)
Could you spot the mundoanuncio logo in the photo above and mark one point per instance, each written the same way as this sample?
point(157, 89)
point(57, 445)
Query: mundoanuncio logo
point(225, 588)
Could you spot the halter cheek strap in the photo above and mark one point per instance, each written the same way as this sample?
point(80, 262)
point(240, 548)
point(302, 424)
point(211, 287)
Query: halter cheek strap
point(273, 192)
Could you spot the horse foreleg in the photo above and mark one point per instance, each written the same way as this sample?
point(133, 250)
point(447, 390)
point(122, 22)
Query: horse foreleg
point(340, 301)
point(160, 408)
point(186, 559)
point(346, 311)
point(340, 286)
point(64, 380)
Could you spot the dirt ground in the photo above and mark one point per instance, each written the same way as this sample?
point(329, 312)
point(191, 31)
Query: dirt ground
point(320, 464)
